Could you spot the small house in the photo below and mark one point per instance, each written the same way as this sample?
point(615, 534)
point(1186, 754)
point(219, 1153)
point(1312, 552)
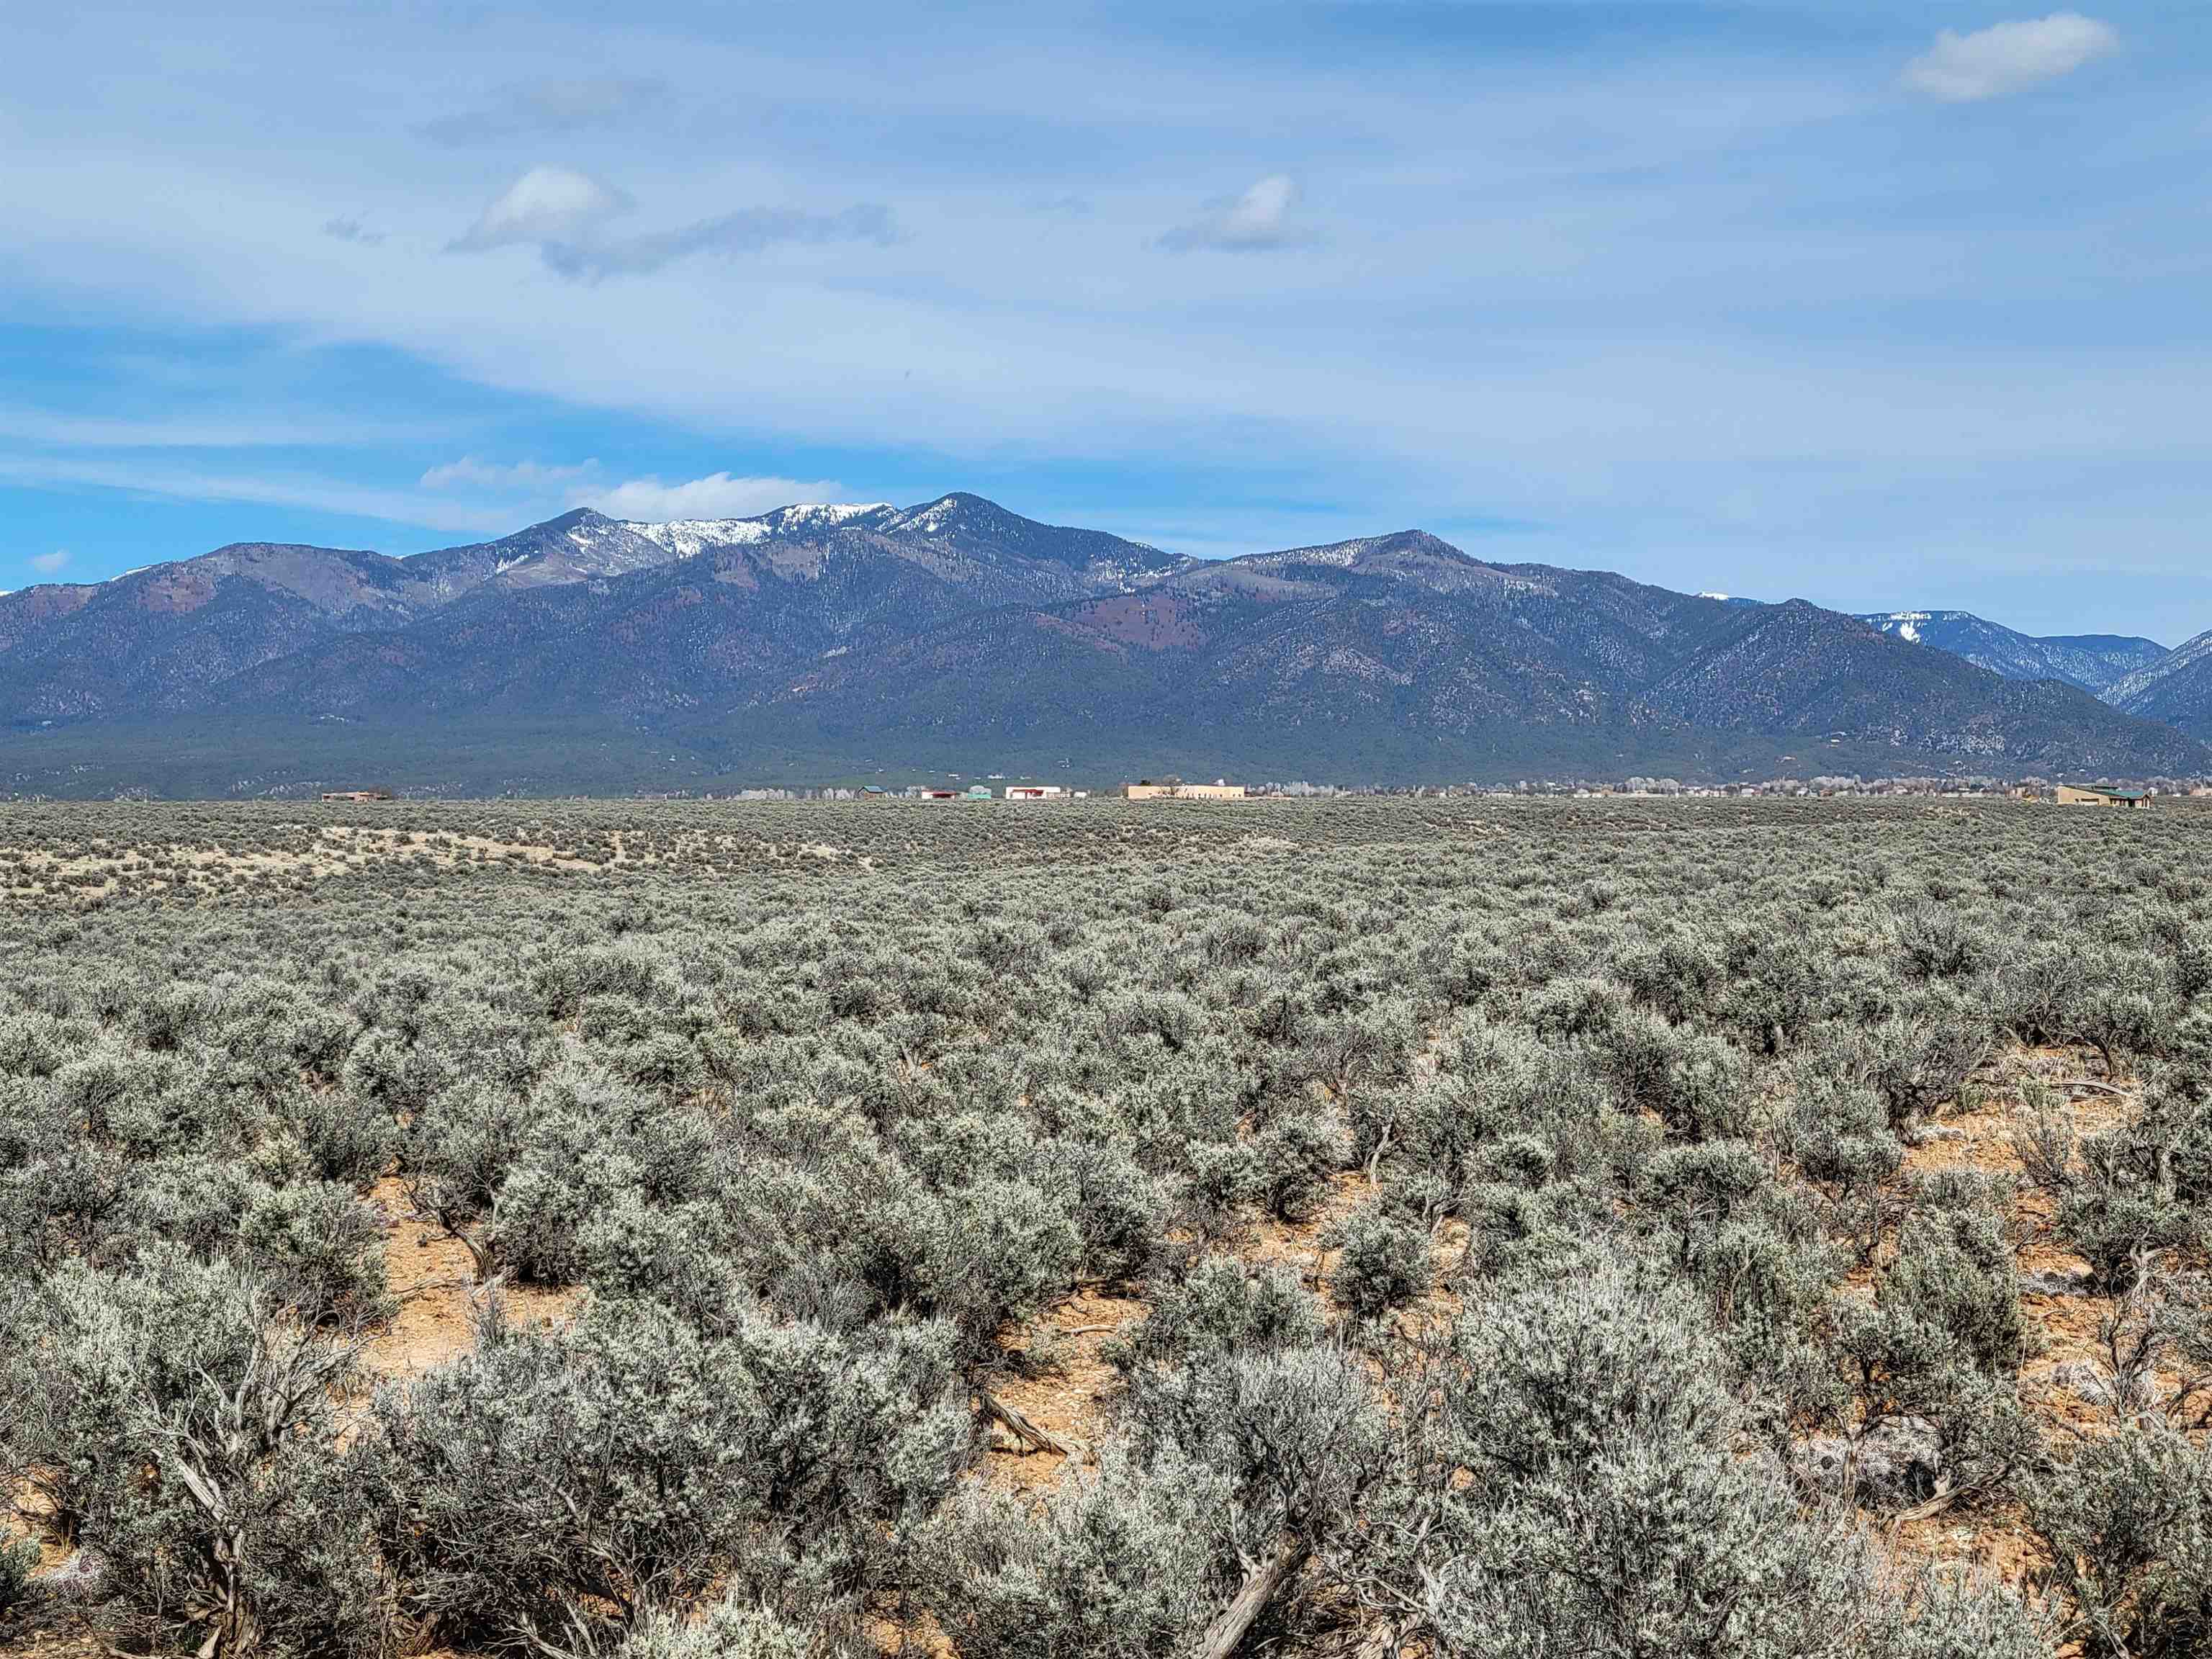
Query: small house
point(1177, 789)
point(2098, 794)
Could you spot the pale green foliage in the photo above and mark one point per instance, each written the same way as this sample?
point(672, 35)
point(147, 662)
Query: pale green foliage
point(822, 1116)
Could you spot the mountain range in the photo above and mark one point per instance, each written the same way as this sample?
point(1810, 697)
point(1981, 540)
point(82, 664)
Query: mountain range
point(2095, 662)
point(852, 642)
point(2138, 676)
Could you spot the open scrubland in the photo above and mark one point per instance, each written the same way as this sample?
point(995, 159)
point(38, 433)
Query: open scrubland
point(1470, 1228)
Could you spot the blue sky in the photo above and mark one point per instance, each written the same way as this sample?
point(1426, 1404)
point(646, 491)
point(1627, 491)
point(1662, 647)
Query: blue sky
point(1877, 304)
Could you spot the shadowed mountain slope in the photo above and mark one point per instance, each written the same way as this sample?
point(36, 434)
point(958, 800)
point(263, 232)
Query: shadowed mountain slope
point(845, 639)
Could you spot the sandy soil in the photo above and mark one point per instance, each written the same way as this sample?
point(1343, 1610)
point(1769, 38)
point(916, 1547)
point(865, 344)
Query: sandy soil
point(428, 1274)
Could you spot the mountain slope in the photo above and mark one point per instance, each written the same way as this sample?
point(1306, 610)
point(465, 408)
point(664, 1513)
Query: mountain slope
point(2093, 661)
point(1794, 667)
point(2177, 689)
point(954, 634)
point(753, 604)
point(150, 640)
point(176, 637)
point(1403, 646)
point(575, 547)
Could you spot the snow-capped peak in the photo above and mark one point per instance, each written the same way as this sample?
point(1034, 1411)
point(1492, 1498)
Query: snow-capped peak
point(933, 517)
point(817, 515)
point(685, 538)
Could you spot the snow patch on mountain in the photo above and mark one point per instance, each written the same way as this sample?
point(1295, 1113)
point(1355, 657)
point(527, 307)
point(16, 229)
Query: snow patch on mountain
point(823, 515)
point(1906, 625)
point(2095, 662)
point(688, 537)
point(930, 521)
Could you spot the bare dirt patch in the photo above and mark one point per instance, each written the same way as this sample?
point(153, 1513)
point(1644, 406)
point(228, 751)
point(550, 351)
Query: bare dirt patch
point(1069, 1401)
point(1993, 1536)
point(429, 1275)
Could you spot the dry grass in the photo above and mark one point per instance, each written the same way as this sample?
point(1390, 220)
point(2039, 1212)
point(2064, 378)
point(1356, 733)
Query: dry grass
point(37, 874)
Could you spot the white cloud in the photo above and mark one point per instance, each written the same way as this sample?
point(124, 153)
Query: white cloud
point(1256, 222)
point(2005, 58)
point(717, 496)
point(471, 473)
point(545, 205)
point(47, 563)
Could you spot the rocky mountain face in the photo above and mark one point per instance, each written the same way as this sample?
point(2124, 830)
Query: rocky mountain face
point(2139, 676)
point(2177, 689)
point(196, 633)
point(1405, 646)
point(2095, 662)
point(956, 634)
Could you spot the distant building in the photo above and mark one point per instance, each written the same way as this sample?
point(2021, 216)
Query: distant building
point(1177, 789)
point(356, 794)
point(977, 792)
point(2098, 794)
point(1033, 791)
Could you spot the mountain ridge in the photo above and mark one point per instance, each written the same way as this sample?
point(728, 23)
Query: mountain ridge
point(2177, 689)
point(862, 633)
point(2095, 662)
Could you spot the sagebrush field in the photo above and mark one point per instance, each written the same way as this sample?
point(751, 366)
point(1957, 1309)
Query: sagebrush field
point(1471, 1228)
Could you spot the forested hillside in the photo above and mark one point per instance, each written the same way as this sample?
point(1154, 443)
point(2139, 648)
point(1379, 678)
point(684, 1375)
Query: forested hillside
point(821, 643)
point(1468, 1228)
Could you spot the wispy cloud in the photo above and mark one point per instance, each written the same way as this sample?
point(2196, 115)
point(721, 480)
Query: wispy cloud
point(512, 477)
point(2007, 57)
point(45, 429)
point(189, 483)
point(536, 108)
point(564, 215)
point(345, 227)
point(749, 230)
point(717, 496)
point(1257, 221)
point(47, 563)
point(536, 486)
